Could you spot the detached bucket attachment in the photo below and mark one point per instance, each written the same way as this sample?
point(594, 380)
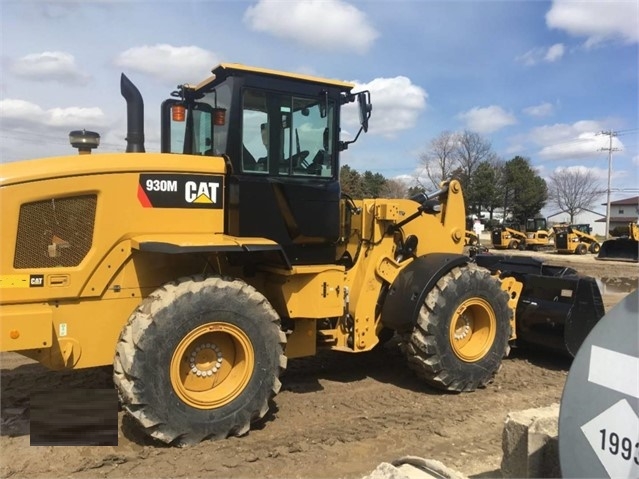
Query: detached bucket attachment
point(620, 249)
point(557, 308)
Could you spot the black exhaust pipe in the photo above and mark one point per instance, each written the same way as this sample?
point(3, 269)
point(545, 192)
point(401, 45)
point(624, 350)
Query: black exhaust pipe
point(134, 116)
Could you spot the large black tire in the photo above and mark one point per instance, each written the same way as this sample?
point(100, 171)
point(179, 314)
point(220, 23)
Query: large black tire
point(200, 359)
point(462, 331)
point(581, 249)
point(594, 248)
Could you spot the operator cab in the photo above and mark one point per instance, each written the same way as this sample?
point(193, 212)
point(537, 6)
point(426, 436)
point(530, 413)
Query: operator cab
point(279, 133)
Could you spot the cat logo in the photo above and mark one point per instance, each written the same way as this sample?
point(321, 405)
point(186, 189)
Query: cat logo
point(181, 191)
point(202, 192)
point(36, 280)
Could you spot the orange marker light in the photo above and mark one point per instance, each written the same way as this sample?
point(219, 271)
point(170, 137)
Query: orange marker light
point(178, 112)
point(14, 334)
point(219, 116)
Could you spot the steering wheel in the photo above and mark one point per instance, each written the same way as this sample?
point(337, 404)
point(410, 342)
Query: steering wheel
point(299, 159)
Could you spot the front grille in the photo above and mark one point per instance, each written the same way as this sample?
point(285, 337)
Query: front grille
point(561, 241)
point(55, 233)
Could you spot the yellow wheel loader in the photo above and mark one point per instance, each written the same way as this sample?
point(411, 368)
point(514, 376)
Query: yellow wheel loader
point(575, 239)
point(622, 248)
point(199, 271)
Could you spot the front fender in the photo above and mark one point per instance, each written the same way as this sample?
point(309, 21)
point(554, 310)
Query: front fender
point(407, 293)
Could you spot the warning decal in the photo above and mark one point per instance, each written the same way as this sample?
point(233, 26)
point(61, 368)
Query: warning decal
point(180, 191)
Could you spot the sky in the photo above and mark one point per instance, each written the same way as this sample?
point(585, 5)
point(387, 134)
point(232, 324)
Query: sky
point(540, 79)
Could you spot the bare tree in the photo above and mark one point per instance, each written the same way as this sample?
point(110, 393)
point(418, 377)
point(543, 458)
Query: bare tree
point(471, 150)
point(439, 161)
point(573, 190)
point(394, 188)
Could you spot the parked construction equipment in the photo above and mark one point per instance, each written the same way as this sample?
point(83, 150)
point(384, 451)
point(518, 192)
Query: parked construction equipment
point(508, 237)
point(199, 271)
point(623, 248)
point(471, 238)
point(575, 239)
point(537, 234)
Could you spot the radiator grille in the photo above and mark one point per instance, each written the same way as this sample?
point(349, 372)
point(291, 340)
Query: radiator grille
point(561, 241)
point(55, 232)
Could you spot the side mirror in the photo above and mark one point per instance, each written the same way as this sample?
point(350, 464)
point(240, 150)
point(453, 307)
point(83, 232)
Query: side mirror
point(365, 108)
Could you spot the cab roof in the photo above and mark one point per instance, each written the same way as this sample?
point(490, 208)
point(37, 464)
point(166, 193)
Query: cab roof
point(228, 69)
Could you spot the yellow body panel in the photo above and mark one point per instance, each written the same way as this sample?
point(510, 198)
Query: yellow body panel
point(79, 310)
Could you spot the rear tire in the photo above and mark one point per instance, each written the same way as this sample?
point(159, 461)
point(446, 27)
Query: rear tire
point(200, 359)
point(581, 249)
point(514, 244)
point(462, 331)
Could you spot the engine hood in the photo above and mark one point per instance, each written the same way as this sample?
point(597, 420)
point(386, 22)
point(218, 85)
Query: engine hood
point(106, 163)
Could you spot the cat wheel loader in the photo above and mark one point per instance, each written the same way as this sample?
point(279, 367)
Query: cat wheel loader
point(198, 272)
point(575, 239)
point(622, 248)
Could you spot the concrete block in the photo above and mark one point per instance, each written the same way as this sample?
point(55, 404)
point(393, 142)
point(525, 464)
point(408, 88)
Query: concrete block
point(413, 467)
point(530, 443)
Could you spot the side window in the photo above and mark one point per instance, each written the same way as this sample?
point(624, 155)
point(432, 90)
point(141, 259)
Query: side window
point(255, 132)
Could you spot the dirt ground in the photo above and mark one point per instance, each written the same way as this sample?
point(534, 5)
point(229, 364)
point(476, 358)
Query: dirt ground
point(337, 416)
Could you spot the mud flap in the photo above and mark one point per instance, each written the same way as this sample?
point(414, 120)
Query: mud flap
point(620, 249)
point(557, 308)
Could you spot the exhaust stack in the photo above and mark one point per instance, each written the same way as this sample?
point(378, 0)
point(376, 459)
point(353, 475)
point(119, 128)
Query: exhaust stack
point(134, 114)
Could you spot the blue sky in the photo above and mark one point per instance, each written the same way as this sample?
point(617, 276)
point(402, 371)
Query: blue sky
point(536, 79)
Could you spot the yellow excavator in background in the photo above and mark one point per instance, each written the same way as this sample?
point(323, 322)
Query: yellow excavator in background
point(623, 248)
point(575, 239)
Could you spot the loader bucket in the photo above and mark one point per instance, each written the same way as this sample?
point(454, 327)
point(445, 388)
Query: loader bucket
point(557, 307)
point(620, 249)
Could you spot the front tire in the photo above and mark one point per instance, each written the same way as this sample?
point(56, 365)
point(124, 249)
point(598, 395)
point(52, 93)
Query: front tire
point(594, 248)
point(462, 331)
point(200, 359)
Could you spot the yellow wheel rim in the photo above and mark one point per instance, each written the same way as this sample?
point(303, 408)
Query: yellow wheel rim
point(472, 329)
point(212, 365)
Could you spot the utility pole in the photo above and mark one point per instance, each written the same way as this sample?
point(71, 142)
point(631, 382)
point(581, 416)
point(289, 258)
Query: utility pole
point(610, 149)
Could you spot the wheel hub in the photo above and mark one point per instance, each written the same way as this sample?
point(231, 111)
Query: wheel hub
point(463, 327)
point(205, 360)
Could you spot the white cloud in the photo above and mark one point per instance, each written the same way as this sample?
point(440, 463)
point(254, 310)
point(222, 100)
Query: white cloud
point(49, 66)
point(600, 174)
point(597, 21)
point(168, 63)
point(487, 120)
point(541, 110)
point(564, 142)
point(541, 54)
point(20, 114)
point(321, 24)
point(397, 103)
point(554, 53)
